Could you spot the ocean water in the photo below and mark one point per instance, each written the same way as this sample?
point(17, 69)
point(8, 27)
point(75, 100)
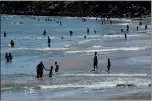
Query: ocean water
point(18, 77)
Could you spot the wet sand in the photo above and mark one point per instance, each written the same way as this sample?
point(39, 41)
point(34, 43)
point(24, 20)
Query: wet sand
point(134, 96)
point(144, 41)
point(73, 63)
point(144, 57)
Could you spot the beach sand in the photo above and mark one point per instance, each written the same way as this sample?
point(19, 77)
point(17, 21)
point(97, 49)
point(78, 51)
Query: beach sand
point(73, 63)
point(144, 57)
point(143, 41)
point(134, 96)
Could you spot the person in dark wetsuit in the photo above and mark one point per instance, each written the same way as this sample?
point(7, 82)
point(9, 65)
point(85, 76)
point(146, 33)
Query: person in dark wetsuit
point(127, 28)
point(57, 67)
point(39, 68)
point(109, 65)
point(4, 34)
point(102, 23)
point(44, 32)
point(95, 31)
point(6, 57)
point(12, 43)
point(110, 22)
point(87, 30)
point(137, 28)
point(145, 27)
point(10, 57)
point(62, 37)
point(140, 23)
point(95, 62)
point(60, 23)
point(125, 35)
point(49, 41)
point(51, 72)
point(71, 33)
point(121, 30)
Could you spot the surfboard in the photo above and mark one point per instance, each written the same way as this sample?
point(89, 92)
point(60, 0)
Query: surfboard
point(9, 45)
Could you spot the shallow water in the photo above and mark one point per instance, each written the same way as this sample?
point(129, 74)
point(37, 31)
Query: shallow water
point(18, 77)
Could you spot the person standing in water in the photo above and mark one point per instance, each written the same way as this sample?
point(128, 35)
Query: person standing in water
point(137, 28)
point(39, 69)
point(127, 28)
point(71, 33)
point(49, 41)
point(110, 22)
point(95, 31)
point(6, 57)
point(121, 30)
point(4, 34)
point(95, 62)
point(44, 32)
point(51, 72)
point(125, 35)
point(87, 30)
point(145, 27)
point(10, 57)
point(109, 65)
point(140, 23)
point(60, 23)
point(57, 67)
point(12, 43)
point(102, 23)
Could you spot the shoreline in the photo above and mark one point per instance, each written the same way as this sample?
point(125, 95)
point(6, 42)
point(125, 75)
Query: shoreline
point(132, 18)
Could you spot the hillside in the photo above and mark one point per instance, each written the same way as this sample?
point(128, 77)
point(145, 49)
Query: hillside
point(77, 8)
